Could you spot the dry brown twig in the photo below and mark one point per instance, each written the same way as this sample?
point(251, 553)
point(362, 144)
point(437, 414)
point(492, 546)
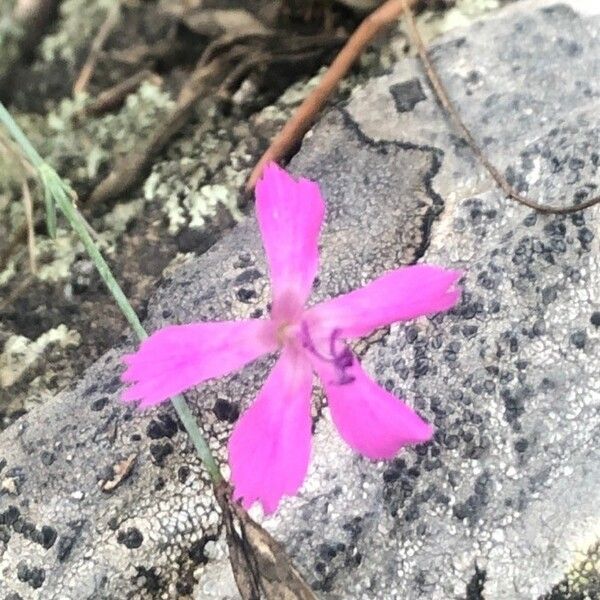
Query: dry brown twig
point(112, 18)
point(28, 207)
point(128, 173)
point(260, 564)
point(442, 96)
point(307, 112)
point(23, 230)
point(114, 96)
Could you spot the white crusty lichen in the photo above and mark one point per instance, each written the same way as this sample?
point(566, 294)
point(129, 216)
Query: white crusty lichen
point(20, 352)
point(79, 21)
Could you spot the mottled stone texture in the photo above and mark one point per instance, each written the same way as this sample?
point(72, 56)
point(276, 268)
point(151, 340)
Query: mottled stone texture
point(503, 503)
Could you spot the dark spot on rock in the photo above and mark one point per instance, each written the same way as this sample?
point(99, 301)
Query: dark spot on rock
point(476, 585)
point(166, 313)
point(462, 510)
point(130, 538)
point(47, 536)
point(594, 320)
point(421, 367)
point(549, 294)
point(160, 451)
point(248, 276)
point(327, 551)
point(391, 474)
point(195, 240)
point(412, 513)
point(151, 581)
point(47, 458)
point(555, 228)
point(226, 411)
point(99, 404)
point(585, 237)
point(451, 441)
point(4, 534)
point(183, 473)
point(469, 330)
point(578, 339)
point(521, 445)
point(196, 551)
point(34, 576)
point(575, 164)
point(159, 484)
point(245, 295)
point(64, 547)
point(10, 516)
point(163, 426)
point(184, 588)
point(539, 327)
point(411, 334)
point(407, 95)
point(257, 313)
point(112, 386)
point(14, 596)
point(136, 437)
point(244, 259)
point(92, 389)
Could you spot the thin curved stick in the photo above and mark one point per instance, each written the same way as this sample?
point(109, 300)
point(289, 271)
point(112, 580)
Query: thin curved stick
point(448, 106)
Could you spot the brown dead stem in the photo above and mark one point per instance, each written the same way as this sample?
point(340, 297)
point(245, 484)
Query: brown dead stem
point(112, 18)
point(127, 173)
point(28, 207)
point(307, 112)
point(260, 564)
point(114, 96)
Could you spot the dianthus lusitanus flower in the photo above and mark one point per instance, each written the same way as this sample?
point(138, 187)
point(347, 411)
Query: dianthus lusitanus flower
point(269, 449)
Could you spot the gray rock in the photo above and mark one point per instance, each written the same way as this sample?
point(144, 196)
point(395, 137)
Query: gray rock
point(505, 498)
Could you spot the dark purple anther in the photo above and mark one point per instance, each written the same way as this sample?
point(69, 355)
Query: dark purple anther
point(341, 360)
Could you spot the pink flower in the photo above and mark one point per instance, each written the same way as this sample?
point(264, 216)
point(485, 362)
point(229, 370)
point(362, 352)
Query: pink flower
point(269, 449)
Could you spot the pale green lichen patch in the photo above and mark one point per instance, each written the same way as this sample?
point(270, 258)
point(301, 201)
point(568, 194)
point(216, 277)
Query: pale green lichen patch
point(79, 21)
point(11, 34)
point(85, 145)
point(117, 219)
point(202, 175)
point(435, 23)
point(59, 254)
point(204, 203)
point(20, 353)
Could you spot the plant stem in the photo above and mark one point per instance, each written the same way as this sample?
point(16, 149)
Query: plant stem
point(61, 195)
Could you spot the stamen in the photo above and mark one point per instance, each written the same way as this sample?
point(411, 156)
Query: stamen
point(341, 360)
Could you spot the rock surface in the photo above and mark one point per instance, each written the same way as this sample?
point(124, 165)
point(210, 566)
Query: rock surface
point(503, 504)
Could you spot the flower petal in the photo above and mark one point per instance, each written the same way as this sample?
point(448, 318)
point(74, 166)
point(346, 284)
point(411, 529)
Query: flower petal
point(400, 295)
point(179, 357)
point(269, 449)
point(369, 418)
point(290, 214)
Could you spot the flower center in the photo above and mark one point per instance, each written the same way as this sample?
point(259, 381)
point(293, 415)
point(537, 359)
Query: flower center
point(285, 333)
point(340, 356)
